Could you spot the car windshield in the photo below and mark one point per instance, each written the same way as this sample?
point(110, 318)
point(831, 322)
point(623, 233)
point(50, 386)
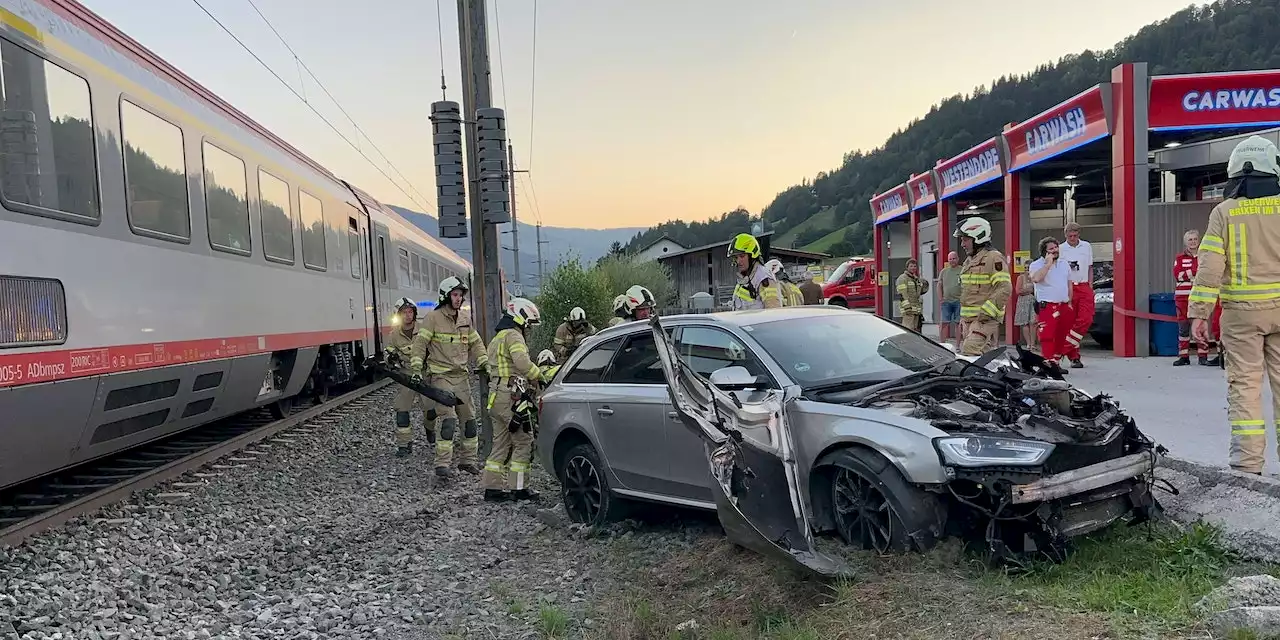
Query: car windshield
point(831, 349)
point(838, 274)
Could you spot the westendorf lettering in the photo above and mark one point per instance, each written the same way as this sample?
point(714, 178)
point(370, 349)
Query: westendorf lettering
point(971, 168)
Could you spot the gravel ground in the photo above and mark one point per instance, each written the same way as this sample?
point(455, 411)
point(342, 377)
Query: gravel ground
point(327, 536)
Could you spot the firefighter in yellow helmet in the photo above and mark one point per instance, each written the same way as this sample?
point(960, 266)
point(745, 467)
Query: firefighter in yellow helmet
point(619, 310)
point(398, 351)
point(984, 287)
point(791, 295)
point(445, 346)
point(1240, 264)
point(572, 332)
point(511, 375)
point(757, 287)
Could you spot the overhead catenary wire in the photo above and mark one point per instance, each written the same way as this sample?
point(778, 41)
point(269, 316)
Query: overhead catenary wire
point(533, 87)
point(537, 208)
point(314, 110)
point(299, 61)
point(502, 69)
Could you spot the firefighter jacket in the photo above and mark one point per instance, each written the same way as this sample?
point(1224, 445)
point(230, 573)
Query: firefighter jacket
point(509, 357)
point(446, 343)
point(567, 340)
point(1185, 266)
point(400, 342)
point(910, 290)
point(757, 291)
point(984, 286)
point(792, 294)
point(617, 320)
point(1239, 260)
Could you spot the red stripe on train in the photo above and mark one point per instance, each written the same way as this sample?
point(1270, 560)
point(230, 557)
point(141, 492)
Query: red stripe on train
point(47, 366)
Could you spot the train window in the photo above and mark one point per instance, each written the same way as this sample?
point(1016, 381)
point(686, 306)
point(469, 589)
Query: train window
point(62, 177)
point(415, 264)
point(382, 259)
point(155, 174)
point(402, 274)
point(276, 218)
point(353, 244)
point(226, 201)
point(314, 254)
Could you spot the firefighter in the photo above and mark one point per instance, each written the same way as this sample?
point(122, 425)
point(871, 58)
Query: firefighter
point(639, 304)
point(511, 375)
point(1185, 266)
point(446, 344)
point(984, 287)
point(572, 332)
point(1239, 263)
point(546, 361)
point(399, 344)
point(791, 295)
point(619, 310)
point(757, 287)
point(911, 288)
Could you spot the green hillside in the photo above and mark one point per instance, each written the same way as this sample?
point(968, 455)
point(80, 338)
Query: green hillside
point(1229, 35)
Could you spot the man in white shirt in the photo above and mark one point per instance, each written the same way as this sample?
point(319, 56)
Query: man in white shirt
point(1078, 256)
point(1051, 275)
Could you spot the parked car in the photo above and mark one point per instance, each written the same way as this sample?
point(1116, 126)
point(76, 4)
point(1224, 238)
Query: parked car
point(799, 421)
point(1103, 296)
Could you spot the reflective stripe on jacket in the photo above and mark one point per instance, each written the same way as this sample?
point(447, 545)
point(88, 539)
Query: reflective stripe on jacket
point(1239, 258)
point(984, 286)
point(910, 290)
point(509, 357)
point(447, 343)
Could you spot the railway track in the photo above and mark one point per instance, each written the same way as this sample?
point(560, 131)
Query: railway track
point(40, 504)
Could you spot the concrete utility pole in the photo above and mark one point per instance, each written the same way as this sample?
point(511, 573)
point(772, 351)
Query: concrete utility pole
point(540, 243)
point(515, 225)
point(476, 94)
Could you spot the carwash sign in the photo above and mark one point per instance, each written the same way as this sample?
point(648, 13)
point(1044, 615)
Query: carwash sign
point(1074, 123)
point(975, 167)
point(1214, 100)
point(922, 190)
point(891, 204)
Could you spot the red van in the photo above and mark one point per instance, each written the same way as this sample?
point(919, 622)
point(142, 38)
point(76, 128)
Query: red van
point(852, 284)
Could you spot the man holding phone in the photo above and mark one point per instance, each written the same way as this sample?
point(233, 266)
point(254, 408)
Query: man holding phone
point(1078, 255)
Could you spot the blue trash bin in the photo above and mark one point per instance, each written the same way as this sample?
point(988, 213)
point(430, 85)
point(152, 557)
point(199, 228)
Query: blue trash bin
point(1163, 334)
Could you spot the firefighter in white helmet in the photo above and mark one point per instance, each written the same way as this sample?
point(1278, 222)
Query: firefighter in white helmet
point(1239, 263)
point(571, 333)
point(639, 304)
point(791, 295)
point(446, 345)
point(511, 375)
point(619, 310)
point(399, 343)
point(984, 287)
point(757, 287)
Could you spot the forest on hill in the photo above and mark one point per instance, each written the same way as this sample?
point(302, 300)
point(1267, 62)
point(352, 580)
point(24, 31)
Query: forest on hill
point(830, 212)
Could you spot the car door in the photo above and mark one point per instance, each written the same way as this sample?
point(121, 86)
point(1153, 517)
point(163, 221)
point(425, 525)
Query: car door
point(705, 349)
point(750, 454)
point(628, 410)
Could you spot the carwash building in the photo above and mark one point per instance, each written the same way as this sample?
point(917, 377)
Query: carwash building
point(1136, 161)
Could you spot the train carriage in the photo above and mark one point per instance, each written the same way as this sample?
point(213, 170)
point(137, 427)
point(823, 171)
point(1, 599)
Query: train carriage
point(165, 261)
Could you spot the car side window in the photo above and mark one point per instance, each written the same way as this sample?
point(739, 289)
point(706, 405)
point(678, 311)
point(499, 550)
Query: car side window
point(856, 275)
point(592, 366)
point(708, 350)
point(637, 363)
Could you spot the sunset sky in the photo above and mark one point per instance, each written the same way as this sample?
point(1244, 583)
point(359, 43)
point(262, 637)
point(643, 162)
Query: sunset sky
point(635, 112)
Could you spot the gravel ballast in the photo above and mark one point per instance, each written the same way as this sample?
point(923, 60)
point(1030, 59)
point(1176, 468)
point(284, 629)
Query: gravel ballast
point(316, 536)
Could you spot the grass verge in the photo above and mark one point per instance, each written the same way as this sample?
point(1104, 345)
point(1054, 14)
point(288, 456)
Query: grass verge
point(1126, 582)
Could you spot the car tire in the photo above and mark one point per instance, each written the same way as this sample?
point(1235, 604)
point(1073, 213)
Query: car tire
point(584, 488)
point(838, 302)
point(1104, 340)
point(875, 508)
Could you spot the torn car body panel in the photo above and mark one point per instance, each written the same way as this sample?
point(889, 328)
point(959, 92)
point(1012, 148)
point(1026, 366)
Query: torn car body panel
point(749, 449)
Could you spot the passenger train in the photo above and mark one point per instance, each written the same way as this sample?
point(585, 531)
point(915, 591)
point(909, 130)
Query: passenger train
point(166, 261)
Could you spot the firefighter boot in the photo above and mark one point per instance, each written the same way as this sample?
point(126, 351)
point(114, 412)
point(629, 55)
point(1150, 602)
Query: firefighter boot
point(444, 448)
point(530, 495)
point(470, 443)
point(1183, 361)
point(430, 424)
point(496, 495)
point(404, 436)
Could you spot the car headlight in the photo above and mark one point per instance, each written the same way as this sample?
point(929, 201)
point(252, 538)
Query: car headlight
point(981, 451)
point(1104, 296)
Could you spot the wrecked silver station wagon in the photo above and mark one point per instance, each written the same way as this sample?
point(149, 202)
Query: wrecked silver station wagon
point(801, 421)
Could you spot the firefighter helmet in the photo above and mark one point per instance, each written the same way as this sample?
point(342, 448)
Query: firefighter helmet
point(524, 312)
point(620, 303)
point(1255, 155)
point(744, 243)
point(576, 314)
point(545, 358)
point(975, 227)
point(449, 284)
point(638, 297)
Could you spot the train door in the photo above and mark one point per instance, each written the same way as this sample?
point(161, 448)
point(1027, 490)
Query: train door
point(379, 246)
point(357, 243)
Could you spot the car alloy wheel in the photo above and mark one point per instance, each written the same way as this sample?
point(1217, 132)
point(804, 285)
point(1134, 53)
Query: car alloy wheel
point(583, 493)
point(862, 513)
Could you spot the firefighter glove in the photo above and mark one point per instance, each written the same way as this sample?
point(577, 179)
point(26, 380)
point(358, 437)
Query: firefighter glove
point(513, 426)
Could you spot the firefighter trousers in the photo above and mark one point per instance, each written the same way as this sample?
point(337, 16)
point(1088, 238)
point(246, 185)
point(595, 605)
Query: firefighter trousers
point(1053, 324)
point(1252, 341)
point(457, 424)
point(912, 320)
point(979, 335)
point(1082, 303)
point(404, 403)
point(512, 452)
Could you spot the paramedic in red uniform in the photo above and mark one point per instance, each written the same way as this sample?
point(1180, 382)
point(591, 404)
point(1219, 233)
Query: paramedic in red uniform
point(1078, 255)
point(1051, 276)
point(1185, 266)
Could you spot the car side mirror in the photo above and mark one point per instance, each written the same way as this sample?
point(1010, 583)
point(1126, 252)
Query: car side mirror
point(733, 378)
